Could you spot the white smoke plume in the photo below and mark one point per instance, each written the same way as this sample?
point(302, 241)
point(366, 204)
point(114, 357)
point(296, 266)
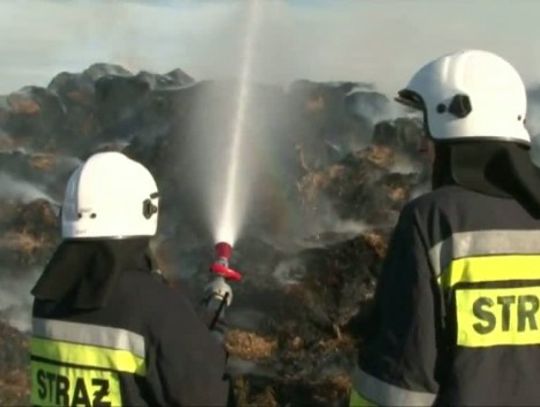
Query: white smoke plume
point(420, 189)
point(19, 190)
point(15, 297)
point(404, 164)
point(533, 122)
point(290, 271)
point(6, 142)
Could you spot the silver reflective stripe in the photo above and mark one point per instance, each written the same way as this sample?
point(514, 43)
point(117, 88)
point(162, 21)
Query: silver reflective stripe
point(113, 338)
point(385, 394)
point(483, 243)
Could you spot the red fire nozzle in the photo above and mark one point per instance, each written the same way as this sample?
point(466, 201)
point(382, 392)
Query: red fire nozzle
point(221, 265)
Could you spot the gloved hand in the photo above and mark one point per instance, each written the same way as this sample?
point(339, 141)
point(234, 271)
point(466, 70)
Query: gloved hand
point(217, 290)
point(218, 296)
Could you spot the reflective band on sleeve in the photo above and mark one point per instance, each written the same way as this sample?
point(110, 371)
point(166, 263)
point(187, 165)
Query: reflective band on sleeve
point(108, 337)
point(88, 356)
point(491, 268)
point(483, 243)
point(357, 400)
point(381, 393)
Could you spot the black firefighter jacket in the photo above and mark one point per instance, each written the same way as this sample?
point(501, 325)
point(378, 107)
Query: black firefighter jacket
point(140, 344)
point(457, 311)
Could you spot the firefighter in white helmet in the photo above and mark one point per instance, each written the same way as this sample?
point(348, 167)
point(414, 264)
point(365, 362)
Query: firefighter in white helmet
point(457, 307)
point(106, 330)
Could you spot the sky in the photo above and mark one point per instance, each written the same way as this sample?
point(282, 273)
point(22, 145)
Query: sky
point(378, 41)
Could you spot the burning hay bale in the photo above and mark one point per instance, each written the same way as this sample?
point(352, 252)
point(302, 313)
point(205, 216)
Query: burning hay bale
point(249, 345)
point(331, 180)
point(14, 378)
point(30, 233)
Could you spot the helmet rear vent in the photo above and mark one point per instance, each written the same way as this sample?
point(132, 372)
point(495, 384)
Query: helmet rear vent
point(460, 106)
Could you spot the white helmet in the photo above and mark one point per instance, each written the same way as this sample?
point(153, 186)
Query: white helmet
point(110, 196)
point(469, 94)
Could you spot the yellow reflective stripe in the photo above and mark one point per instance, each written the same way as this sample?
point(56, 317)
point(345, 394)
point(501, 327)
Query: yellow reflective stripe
point(502, 316)
point(491, 268)
point(87, 355)
point(358, 401)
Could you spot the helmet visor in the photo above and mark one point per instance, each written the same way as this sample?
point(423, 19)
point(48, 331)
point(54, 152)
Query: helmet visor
point(410, 98)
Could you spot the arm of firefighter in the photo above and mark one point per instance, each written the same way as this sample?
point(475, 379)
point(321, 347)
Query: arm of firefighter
point(190, 361)
point(398, 362)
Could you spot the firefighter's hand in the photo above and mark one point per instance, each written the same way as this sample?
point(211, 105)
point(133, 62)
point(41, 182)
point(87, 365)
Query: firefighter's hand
point(218, 289)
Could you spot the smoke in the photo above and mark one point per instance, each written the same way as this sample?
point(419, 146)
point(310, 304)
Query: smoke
point(22, 191)
point(374, 106)
point(533, 109)
point(351, 227)
point(69, 163)
point(246, 318)
point(290, 271)
point(237, 367)
point(6, 142)
point(15, 297)
point(533, 122)
point(420, 189)
point(405, 164)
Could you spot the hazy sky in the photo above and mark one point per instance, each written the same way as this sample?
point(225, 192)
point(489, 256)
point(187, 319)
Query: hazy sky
point(381, 41)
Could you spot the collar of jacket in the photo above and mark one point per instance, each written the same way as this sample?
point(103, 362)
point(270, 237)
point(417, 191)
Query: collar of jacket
point(84, 272)
point(500, 169)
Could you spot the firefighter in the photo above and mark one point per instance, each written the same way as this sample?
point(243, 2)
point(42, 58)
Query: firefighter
point(457, 308)
point(107, 331)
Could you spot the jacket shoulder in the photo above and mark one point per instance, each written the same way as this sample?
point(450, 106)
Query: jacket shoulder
point(145, 287)
point(442, 198)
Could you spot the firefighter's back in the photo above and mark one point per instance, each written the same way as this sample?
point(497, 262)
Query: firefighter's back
point(106, 331)
point(115, 354)
point(485, 255)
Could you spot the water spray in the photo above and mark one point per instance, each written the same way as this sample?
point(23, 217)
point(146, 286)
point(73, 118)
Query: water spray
point(230, 218)
point(219, 293)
